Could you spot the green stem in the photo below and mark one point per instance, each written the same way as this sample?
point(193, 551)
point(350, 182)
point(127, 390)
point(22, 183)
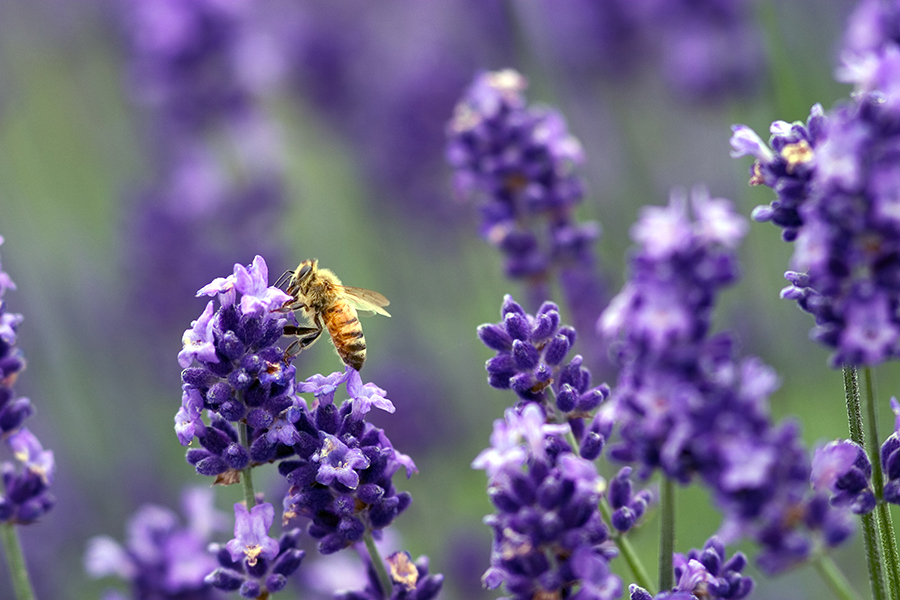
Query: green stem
point(383, 577)
point(16, 562)
point(870, 533)
point(883, 513)
point(246, 475)
point(834, 577)
point(666, 533)
point(641, 577)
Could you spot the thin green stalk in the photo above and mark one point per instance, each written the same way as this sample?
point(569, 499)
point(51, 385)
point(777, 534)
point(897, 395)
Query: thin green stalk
point(666, 533)
point(883, 513)
point(834, 577)
point(246, 475)
point(870, 532)
point(15, 560)
point(641, 577)
point(383, 577)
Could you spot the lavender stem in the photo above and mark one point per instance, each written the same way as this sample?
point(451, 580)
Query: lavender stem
point(870, 534)
point(16, 562)
point(834, 577)
point(377, 562)
point(641, 577)
point(666, 533)
point(246, 475)
point(883, 513)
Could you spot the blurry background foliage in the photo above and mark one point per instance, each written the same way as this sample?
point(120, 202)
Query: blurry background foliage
point(367, 193)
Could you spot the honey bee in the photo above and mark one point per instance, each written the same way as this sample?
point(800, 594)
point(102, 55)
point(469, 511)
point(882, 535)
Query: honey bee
point(325, 301)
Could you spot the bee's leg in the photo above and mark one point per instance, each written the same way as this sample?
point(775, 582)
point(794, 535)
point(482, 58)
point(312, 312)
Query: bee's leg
point(283, 279)
point(312, 333)
point(290, 306)
point(306, 335)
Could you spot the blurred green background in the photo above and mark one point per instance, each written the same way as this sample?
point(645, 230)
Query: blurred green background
point(72, 154)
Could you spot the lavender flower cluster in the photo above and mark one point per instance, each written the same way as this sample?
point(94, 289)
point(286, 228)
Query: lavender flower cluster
point(25, 491)
point(341, 475)
point(338, 466)
point(518, 162)
point(685, 402)
point(549, 536)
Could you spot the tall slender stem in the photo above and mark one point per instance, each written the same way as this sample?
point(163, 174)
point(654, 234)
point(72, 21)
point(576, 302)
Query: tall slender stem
point(834, 577)
point(377, 562)
point(641, 577)
point(883, 513)
point(15, 560)
point(666, 533)
point(246, 475)
point(870, 533)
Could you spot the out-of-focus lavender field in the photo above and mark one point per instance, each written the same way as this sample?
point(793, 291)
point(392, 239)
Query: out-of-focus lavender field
point(145, 148)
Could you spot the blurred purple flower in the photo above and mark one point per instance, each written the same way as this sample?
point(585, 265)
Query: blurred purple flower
point(162, 558)
point(685, 403)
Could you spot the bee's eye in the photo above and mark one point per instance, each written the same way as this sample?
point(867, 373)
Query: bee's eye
point(303, 272)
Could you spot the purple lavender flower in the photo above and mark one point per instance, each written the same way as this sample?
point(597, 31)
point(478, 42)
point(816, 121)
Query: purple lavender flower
point(627, 506)
point(787, 167)
point(842, 468)
point(186, 57)
point(518, 163)
point(340, 467)
point(709, 49)
point(685, 402)
point(890, 459)
point(531, 351)
point(410, 580)
point(870, 58)
point(24, 493)
point(548, 533)
point(253, 563)
point(705, 574)
point(162, 558)
point(240, 375)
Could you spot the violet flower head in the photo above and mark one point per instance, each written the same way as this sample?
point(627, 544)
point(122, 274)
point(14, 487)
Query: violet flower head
point(686, 403)
point(870, 58)
point(890, 459)
point(548, 532)
point(161, 558)
point(235, 370)
point(838, 180)
point(709, 50)
point(628, 507)
point(531, 352)
point(704, 574)
point(340, 467)
point(842, 468)
point(24, 493)
point(518, 162)
point(252, 563)
point(786, 165)
point(410, 580)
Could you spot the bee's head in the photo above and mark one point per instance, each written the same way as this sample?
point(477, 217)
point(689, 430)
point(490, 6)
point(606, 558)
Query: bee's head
point(304, 273)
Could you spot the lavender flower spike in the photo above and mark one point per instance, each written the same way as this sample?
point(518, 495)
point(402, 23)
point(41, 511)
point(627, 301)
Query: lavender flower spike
point(235, 371)
point(24, 491)
point(548, 533)
point(518, 163)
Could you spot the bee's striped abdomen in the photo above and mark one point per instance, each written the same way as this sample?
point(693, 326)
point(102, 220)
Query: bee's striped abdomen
point(346, 333)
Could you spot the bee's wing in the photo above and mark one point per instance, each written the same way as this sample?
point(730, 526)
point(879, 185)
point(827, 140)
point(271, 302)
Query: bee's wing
point(365, 300)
